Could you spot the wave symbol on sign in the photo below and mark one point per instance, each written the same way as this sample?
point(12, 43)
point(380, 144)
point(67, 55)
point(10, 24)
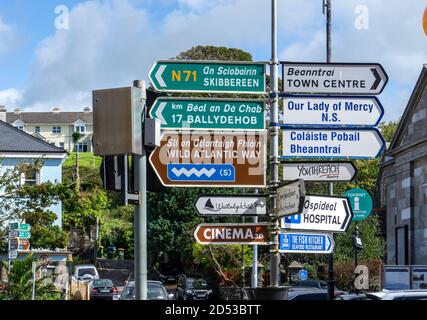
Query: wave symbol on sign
point(197, 173)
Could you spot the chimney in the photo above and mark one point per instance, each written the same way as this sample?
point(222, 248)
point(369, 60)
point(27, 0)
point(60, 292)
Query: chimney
point(56, 110)
point(2, 113)
point(17, 111)
point(86, 110)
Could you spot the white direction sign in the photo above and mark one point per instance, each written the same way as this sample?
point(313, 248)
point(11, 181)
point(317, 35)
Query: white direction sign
point(319, 171)
point(329, 111)
point(321, 213)
point(290, 198)
point(13, 254)
point(332, 143)
point(333, 78)
point(231, 205)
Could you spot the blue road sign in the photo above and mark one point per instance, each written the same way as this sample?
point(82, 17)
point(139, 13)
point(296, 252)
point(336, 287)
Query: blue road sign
point(306, 243)
point(303, 274)
point(201, 172)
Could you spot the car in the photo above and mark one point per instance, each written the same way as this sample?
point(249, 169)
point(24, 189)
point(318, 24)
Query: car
point(102, 289)
point(155, 291)
point(168, 273)
point(352, 296)
point(192, 288)
point(85, 272)
point(303, 293)
point(398, 295)
point(318, 284)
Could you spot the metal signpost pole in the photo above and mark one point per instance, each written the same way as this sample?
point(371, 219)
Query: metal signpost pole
point(254, 283)
point(331, 185)
point(34, 267)
point(274, 148)
point(141, 219)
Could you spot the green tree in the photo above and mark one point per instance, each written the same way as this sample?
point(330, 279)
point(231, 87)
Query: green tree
point(20, 282)
point(76, 136)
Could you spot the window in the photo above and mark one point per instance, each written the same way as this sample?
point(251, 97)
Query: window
point(30, 177)
point(80, 128)
point(81, 147)
point(61, 145)
point(56, 129)
point(37, 129)
point(20, 127)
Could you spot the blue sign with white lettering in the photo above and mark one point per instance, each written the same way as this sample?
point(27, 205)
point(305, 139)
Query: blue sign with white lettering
point(201, 172)
point(303, 274)
point(306, 243)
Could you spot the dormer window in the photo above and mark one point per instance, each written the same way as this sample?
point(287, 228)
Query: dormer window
point(80, 126)
point(19, 125)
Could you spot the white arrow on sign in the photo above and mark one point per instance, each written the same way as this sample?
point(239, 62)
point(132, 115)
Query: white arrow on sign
point(331, 111)
point(231, 205)
point(319, 171)
point(333, 78)
point(332, 143)
point(321, 213)
point(159, 74)
point(159, 114)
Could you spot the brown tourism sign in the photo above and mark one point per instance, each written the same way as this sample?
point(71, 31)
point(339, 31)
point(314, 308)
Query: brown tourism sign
point(232, 233)
point(206, 159)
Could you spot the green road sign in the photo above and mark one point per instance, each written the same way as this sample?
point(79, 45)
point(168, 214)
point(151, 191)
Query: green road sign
point(24, 234)
point(14, 226)
point(208, 76)
point(209, 114)
point(361, 203)
point(24, 227)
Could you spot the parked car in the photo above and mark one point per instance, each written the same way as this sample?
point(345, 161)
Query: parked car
point(303, 293)
point(168, 273)
point(318, 284)
point(352, 296)
point(155, 291)
point(398, 295)
point(85, 272)
point(192, 288)
point(102, 289)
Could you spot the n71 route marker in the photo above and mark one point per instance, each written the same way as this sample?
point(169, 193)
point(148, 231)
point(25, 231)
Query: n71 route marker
point(290, 242)
point(333, 78)
point(209, 114)
point(331, 111)
point(332, 143)
point(321, 213)
point(208, 76)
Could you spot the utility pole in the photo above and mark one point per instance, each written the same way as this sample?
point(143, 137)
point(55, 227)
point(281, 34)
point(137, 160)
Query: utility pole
point(141, 215)
point(274, 149)
point(328, 7)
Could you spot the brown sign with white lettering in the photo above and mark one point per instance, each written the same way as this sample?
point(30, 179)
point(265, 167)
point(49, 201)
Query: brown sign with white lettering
point(238, 233)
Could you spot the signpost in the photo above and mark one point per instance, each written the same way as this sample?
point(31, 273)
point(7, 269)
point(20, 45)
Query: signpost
point(290, 242)
point(334, 78)
point(229, 233)
point(24, 244)
point(13, 226)
point(332, 143)
point(24, 227)
point(319, 171)
point(361, 203)
point(327, 111)
point(231, 205)
point(208, 76)
point(13, 254)
point(209, 114)
point(206, 159)
point(321, 213)
point(13, 244)
point(303, 274)
point(24, 234)
point(290, 198)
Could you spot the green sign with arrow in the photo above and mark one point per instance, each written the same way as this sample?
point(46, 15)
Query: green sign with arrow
point(208, 76)
point(209, 114)
point(361, 203)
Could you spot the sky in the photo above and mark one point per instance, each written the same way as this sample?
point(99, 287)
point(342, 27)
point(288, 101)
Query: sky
point(53, 53)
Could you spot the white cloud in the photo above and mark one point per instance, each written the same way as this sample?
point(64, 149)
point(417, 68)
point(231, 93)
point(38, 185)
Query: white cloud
point(10, 97)
point(7, 37)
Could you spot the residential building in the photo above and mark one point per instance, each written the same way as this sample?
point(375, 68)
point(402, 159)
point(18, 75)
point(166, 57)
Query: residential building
point(55, 127)
point(402, 185)
point(18, 147)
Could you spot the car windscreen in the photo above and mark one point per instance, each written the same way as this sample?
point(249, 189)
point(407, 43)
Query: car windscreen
point(128, 293)
point(84, 271)
point(102, 283)
point(193, 283)
point(156, 292)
